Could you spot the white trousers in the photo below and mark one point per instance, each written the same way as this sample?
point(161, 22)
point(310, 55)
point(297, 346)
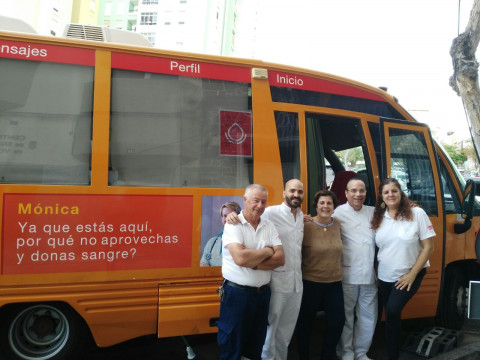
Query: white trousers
point(359, 300)
point(282, 318)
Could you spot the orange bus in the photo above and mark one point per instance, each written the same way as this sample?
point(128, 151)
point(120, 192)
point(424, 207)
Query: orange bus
point(114, 160)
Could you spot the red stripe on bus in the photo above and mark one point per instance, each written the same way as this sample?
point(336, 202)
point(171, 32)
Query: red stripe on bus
point(50, 53)
point(294, 81)
point(180, 67)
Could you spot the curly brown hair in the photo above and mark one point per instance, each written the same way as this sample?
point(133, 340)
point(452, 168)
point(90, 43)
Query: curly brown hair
point(321, 193)
point(404, 210)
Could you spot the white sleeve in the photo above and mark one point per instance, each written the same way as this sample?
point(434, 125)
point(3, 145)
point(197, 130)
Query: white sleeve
point(232, 234)
point(425, 227)
point(274, 236)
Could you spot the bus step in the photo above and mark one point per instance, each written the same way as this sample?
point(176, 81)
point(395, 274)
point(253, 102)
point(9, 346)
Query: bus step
point(432, 341)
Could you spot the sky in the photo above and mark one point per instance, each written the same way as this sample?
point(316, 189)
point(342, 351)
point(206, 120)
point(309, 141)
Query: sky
point(401, 44)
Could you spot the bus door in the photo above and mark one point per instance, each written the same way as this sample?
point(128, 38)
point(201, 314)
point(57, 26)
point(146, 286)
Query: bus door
point(337, 150)
point(409, 156)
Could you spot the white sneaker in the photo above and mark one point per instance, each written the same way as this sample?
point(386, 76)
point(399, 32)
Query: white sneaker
point(346, 356)
point(363, 357)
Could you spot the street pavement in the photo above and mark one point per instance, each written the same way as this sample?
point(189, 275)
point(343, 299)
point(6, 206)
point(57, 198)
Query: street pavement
point(205, 347)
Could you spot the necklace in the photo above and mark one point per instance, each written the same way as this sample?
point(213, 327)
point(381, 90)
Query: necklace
point(392, 213)
point(325, 226)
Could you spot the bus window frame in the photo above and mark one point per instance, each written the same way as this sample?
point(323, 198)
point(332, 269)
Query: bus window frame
point(385, 171)
point(302, 110)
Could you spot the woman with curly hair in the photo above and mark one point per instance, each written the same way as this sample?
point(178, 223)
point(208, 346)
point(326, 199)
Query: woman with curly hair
point(404, 237)
point(322, 278)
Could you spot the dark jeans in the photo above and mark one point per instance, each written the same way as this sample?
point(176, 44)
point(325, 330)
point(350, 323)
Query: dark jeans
point(394, 301)
point(242, 326)
point(317, 297)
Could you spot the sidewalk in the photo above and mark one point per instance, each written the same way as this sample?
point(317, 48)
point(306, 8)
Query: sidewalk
point(151, 348)
point(468, 349)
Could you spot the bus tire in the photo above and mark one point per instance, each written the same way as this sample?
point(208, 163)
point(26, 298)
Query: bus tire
point(41, 331)
point(453, 309)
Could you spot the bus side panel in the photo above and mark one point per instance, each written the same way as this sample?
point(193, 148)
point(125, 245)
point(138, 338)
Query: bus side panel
point(455, 246)
point(114, 312)
point(423, 304)
point(121, 311)
point(470, 237)
point(184, 309)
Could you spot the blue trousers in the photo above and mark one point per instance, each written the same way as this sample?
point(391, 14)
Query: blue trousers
point(394, 301)
point(242, 326)
point(317, 297)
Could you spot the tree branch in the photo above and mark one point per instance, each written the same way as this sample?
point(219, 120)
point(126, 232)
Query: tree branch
point(465, 70)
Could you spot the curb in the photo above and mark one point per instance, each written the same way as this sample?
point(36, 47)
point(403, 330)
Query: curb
point(463, 352)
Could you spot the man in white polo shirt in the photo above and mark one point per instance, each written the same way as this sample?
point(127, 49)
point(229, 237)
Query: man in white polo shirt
point(251, 250)
point(359, 288)
point(286, 284)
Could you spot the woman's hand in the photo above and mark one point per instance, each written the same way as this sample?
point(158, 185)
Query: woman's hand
point(406, 280)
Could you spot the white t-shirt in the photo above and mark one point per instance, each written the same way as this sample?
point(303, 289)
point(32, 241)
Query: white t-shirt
point(398, 244)
point(244, 233)
point(358, 241)
point(287, 278)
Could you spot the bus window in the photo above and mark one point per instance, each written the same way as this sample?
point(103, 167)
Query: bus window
point(352, 159)
point(339, 142)
point(452, 202)
point(45, 128)
point(287, 134)
point(316, 98)
point(411, 165)
point(166, 131)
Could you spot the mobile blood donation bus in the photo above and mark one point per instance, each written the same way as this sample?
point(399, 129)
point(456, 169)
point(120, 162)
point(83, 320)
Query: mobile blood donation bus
point(115, 159)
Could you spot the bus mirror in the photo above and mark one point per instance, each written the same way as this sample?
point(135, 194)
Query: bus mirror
point(467, 207)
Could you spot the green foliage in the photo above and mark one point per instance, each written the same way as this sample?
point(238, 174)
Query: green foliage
point(350, 157)
point(457, 156)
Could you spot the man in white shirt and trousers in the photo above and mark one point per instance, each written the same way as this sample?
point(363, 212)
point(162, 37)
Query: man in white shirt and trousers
point(286, 283)
point(359, 285)
point(251, 250)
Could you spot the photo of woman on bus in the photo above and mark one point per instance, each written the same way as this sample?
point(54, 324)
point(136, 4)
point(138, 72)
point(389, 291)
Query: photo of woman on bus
point(322, 278)
point(404, 237)
point(212, 253)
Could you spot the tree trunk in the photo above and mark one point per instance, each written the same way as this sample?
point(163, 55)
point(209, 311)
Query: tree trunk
point(465, 76)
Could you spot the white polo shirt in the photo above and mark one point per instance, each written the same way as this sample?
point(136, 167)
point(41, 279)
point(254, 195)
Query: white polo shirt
point(399, 245)
point(244, 233)
point(287, 278)
point(358, 244)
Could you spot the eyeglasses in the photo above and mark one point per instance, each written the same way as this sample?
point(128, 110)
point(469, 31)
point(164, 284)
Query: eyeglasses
point(355, 191)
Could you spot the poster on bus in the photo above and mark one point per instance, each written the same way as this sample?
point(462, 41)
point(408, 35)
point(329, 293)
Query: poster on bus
point(215, 209)
point(55, 233)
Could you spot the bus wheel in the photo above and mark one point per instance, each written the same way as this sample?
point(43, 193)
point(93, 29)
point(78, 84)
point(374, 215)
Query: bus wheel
point(454, 299)
point(41, 332)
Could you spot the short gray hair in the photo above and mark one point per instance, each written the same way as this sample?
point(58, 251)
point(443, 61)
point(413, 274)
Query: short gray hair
point(251, 187)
